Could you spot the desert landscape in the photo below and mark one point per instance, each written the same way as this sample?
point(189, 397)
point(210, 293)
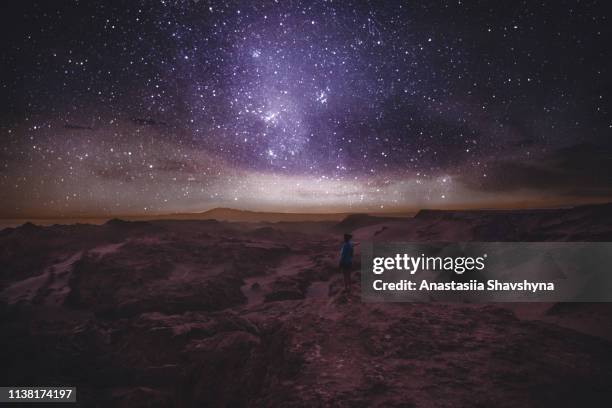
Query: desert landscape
point(251, 314)
point(179, 180)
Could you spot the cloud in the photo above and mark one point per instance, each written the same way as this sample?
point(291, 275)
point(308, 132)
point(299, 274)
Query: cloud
point(582, 169)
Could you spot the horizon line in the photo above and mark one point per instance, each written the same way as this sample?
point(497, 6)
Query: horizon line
point(501, 207)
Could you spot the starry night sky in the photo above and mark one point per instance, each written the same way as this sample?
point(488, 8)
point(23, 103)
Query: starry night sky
point(129, 107)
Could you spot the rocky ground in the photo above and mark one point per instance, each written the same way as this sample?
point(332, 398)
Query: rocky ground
point(206, 313)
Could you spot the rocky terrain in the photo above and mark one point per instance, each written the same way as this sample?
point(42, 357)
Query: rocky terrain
point(237, 314)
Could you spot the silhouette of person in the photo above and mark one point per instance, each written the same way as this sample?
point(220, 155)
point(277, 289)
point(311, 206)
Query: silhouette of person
point(346, 261)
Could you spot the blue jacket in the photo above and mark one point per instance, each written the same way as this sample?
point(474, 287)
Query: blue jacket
point(346, 253)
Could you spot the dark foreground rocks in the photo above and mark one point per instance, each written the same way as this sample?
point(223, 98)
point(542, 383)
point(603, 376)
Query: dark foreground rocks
point(157, 314)
point(336, 352)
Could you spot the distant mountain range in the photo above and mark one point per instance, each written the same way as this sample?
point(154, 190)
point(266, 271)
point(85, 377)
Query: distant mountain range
point(231, 214)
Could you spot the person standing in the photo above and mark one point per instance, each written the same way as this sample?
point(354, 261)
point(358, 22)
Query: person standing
point(346, 261)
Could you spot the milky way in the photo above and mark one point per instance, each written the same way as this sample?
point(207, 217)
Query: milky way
point(179, 106)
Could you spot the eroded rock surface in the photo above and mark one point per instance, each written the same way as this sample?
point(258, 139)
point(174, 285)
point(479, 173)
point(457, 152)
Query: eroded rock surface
point(247, 315)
